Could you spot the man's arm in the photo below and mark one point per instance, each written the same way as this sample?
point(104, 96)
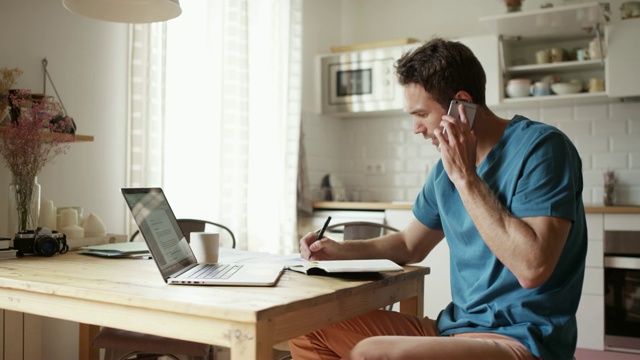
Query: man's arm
point(410, 245)
point(530, 247)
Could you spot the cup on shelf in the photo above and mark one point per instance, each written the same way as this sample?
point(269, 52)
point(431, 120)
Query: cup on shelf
point(540, 88)
point(582, 54)
point(543, 56)
point(596, 85)
point(556, 54)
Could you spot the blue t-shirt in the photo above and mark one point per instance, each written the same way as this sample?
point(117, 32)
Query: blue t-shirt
point(534, 170)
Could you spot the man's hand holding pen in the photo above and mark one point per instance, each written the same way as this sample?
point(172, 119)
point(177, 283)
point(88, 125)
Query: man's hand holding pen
point(314, 246)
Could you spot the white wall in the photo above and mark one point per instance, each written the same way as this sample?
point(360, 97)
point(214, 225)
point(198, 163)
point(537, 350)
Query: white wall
point(605, 134)
point(88, 63)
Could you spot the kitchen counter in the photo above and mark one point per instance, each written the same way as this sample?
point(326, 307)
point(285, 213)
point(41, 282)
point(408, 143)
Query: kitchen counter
point(352, 205)
point(380, 206)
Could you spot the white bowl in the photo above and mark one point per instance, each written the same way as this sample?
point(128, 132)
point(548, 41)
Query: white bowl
point(516, 90)
point(566, 88)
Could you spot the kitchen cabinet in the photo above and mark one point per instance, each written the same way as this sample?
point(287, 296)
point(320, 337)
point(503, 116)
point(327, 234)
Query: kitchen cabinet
point(622, 75)
point(522, 34)
point(590, 314)
point(486, 49)
point(378, 64)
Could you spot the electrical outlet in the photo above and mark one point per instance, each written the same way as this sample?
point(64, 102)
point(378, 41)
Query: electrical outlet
point(374, 168)
point(369, 169)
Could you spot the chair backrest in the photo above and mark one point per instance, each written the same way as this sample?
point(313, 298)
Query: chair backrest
point(360, 230)
point(227, 238)
point(354, 230)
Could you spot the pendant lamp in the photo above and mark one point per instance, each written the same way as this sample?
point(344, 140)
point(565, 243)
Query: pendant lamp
point(125, 11)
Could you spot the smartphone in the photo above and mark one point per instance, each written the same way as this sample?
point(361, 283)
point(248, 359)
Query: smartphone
point(470, 110)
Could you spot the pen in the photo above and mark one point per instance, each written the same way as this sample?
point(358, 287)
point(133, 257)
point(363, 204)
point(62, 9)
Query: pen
point(324, 228)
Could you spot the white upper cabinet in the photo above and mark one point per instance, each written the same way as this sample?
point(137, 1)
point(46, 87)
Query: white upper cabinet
point(561, 30)
point(623, 60)
point(486, 49)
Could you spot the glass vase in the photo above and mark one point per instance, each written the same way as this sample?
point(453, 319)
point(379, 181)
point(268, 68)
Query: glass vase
point(24, 203)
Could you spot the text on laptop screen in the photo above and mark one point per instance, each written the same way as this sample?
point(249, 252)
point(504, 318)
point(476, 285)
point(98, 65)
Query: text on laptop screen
point(158, 226)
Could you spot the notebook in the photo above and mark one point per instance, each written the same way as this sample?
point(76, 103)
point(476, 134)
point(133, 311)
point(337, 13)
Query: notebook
point(118, 250)
point(172, 253)
point(325, 267)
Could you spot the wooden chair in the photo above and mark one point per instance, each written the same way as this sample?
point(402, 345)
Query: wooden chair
point(355, 230)
point(227, 239)
point(122, 344)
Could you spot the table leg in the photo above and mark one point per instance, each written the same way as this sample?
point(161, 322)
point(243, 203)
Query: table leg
point(414, 305)
point(85, 351)
point(251, 342)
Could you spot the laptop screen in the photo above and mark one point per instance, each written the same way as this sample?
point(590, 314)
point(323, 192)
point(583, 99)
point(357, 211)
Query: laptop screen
point(160, 229)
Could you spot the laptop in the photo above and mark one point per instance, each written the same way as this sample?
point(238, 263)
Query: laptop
point(172, 253)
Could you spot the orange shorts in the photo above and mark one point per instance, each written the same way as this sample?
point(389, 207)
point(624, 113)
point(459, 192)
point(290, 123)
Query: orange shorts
point(391, 335)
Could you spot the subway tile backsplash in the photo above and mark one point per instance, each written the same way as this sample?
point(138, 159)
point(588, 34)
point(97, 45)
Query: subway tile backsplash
point(378, 158)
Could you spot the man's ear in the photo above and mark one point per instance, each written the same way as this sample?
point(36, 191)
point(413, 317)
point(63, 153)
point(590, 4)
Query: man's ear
point(464, 96)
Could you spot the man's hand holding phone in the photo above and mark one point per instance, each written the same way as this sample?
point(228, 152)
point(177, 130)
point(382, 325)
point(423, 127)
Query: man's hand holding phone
point(454, 111)
point(458, 153)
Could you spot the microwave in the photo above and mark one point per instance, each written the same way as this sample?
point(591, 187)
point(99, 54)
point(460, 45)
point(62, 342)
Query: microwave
point(361, 82)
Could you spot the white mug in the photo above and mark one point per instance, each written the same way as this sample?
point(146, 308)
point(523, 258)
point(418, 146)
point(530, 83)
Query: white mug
point(540, 88)
point(205, 246)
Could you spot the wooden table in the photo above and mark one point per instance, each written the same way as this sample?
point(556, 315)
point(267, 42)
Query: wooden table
point(130, 294)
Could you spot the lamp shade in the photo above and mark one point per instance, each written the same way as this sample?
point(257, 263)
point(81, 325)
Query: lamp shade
point(125, 11)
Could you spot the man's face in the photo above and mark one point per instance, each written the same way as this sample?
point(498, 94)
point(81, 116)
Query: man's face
point(427, 113)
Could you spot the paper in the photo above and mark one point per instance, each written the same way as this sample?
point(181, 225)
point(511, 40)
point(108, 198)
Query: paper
point(126, 249)
point(345, 266)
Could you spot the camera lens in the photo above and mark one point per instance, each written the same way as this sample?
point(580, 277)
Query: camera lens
point(45, 246)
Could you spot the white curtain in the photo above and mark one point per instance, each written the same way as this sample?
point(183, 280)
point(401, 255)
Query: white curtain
point(232, 117)
point(146, 106)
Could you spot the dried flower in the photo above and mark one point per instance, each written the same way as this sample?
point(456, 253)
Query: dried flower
point(27, 144)
point(31, 141)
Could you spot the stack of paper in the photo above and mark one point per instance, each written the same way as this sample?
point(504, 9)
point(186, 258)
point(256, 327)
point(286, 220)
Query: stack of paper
point(8, 254)
point(136, 249)
point(5, 249)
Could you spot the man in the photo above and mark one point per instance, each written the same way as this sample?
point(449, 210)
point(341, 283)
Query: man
point(507, 195)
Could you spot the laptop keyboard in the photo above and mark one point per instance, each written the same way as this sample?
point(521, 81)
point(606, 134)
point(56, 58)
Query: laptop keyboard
point(218, 271)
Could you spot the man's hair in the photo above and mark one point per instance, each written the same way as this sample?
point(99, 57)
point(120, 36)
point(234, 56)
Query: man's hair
point(443, 68)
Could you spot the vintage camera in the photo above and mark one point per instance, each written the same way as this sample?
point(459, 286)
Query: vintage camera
point(41, 242)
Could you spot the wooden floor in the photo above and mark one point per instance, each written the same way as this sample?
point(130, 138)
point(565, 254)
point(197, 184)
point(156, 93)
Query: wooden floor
point(584, 354)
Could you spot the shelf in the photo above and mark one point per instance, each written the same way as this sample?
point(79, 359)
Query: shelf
point(571, 20)
point(77, 137)
point(558, 99)
point(558, 66)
